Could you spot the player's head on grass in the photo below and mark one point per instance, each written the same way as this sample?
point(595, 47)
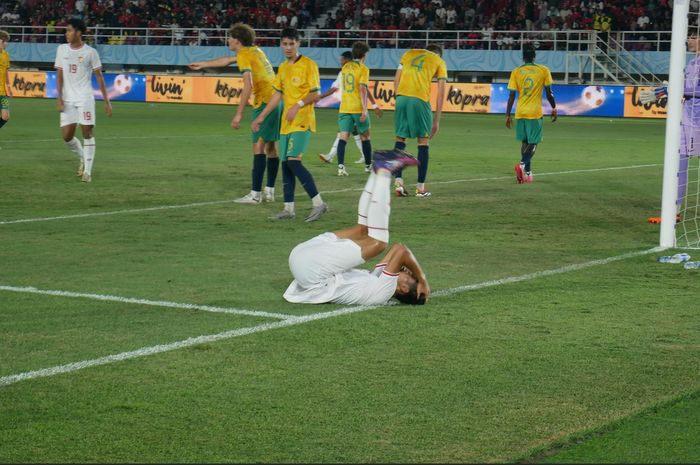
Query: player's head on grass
point(289, 41)
point(75, 30)
point(359, 50)
point(345, 57)
point(529, 53)
point(4, 39)
point(407, 290)
point(435, 48)
point(240, 35)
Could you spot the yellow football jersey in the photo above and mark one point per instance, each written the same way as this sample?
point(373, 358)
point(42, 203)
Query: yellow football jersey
point(418, 68)
point(296, 81)
point(254, 60)
point(355, 74)
point(4, 66)
point(528, 81)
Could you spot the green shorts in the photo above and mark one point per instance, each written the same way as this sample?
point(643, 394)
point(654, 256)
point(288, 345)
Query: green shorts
point(4, 102)
point(270, 127)
point(347, 122)
point(294, 144)
point(529, 130)
point(413, 118)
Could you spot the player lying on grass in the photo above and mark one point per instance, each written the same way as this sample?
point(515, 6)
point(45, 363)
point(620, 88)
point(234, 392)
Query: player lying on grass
point(324, 266)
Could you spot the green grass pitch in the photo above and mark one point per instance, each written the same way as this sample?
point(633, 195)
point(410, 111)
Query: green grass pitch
point(551, 335)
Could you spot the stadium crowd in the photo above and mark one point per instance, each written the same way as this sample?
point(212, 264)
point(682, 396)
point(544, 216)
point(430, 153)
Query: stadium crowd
point(481, 17)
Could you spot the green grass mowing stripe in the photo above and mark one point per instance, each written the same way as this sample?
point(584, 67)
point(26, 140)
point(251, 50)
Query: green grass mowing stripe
point(71, 367)
point(665, 432)
point(337, 191)
point(154, 303)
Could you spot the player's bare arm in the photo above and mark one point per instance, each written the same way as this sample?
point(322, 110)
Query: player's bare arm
point(220, 62)
point(332, 90)
point(59, 89)
point(552, 102)
point(363, 98)
point(438, 108)
point(274, 101)
point(8, 87)
point(400, 257)
point(245, 95)
point(103, 90)
point(377, 111)
point(509, 109)
point(397, 79)
point(310, 99)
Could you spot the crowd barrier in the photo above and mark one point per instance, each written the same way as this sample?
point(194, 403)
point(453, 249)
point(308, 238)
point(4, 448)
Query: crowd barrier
point(579, 100)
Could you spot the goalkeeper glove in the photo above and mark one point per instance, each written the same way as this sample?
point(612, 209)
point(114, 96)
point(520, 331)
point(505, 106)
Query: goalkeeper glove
point(653, 95)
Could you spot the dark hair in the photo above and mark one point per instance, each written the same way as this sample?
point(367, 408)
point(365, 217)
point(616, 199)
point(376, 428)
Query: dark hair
point(359, 50)
point(411, 297)
point(693, 31)
point(289, 33)
point(435, 48)
point(77, 24)
point(242, 33)
point(347, 55)
point(529, 53)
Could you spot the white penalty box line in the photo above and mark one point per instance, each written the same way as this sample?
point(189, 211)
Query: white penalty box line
point(350, 189)
point(153, 303)
point(291, 320)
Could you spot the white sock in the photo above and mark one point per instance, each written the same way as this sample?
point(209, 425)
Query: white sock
point(270, 190)
point(379, 208)
point(420, 186)
point(75, 147)
point(365, 198)
point(317, 201)
point(334, 149)
point(89, 154)
point(289, 206)
point(358, 143)
point(399, 181)
point(255, 194)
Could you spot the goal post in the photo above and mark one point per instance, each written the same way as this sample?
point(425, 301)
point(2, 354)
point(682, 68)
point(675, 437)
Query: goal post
point(673, 123)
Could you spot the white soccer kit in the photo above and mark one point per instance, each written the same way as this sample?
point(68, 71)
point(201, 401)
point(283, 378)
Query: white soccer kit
point(77, 66)
point(323, 270)
point(338, 85)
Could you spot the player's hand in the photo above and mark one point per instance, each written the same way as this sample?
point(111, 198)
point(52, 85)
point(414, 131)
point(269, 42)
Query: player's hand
point(423, 290)
point(509, 122)
point(236, 121)
point(197, 65)
point(59, 104)
point(363, 117)
point(108, 109)
point(292, 112)
point(255, 125)
point(378, 111)
point(554, 114)
point(436, 128)
point(647, 96)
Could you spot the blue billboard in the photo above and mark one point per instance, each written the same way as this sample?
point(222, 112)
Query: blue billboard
point(571, 100)
point(130, 87)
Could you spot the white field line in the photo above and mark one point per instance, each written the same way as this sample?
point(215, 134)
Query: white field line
point(350, 189)
point(153, 303)
point(117, 212)
point(295, 320)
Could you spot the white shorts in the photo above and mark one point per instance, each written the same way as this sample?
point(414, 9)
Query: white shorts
point(82, 113)
point(314, 261)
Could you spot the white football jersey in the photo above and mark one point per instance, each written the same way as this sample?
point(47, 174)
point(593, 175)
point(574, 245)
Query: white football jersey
point(338, 84)
point(77, 66)
point(351, 287)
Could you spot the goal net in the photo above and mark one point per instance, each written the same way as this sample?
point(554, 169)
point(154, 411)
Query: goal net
point(680, 206)
point(688, 196)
